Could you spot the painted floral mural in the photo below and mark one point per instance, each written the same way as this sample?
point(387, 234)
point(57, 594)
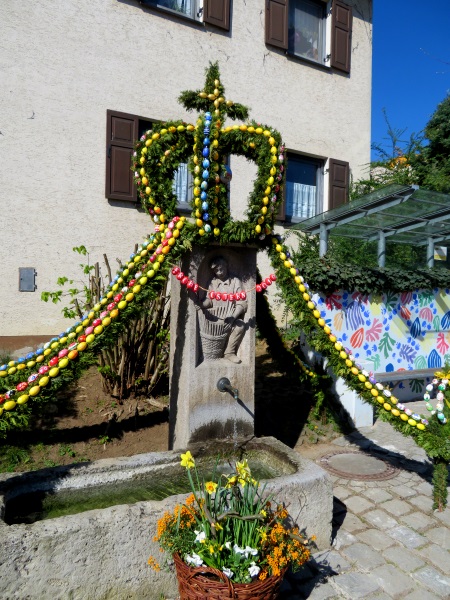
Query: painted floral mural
point(392, 332)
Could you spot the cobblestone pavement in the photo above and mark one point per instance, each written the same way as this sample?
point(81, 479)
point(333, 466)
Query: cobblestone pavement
point(387, 540)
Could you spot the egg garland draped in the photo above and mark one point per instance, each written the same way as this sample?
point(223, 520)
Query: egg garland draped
point(204, 147)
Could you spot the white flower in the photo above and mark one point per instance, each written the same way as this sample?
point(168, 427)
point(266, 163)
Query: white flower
point(195, 559)
point(228, 572)
point(237, 549)
point(250, 551)
point(253, 569)
point(227, 545)
point(201, 536)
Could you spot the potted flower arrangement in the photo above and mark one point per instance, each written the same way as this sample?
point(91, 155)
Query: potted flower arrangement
point(229, 539)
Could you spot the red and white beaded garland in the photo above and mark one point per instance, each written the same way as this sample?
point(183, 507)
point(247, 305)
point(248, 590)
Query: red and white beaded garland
point(212, 295)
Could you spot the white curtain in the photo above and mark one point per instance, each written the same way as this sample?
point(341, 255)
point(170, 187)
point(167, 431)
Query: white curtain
point(180, 185)
point(300, 200)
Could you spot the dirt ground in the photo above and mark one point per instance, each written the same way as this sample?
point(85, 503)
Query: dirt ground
point(88, 424)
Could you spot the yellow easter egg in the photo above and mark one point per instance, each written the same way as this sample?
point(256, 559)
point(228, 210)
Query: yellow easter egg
point(404, 417)
point(287, 264)
point(72, 354)
point(420, 426)
point(43, 381)
point(310, 305)
point(72, 333)
point(90, 338)
point(106, 321)
point(156, 266)
point(343, 354)
point(63, 363)
point(21, 366)
point(333, 338)
point(40, 358)
point(326, 329)
point(412, 422)
point(126, 272)
point(368, 385)
point(338, 346)
point(63, 340)
point(165, 250)
point(151, 273)
point(22, 399)
point(54, 345)
point(12, 370)
point(129, 297)
point(258, 229)
point(34, 391)
point(121, 304)
point(137, 288)
point(114, 313)
point(321, 322)
point(176, 233)
point(292, 271)
point(354, 370)
point(81, 346)
point(362, 378)
point(216, 231)
point(306, 297)
point(98, 329)
point(115, 287)
point(267, 133)
point(258, 130)
point(3, 373)
point(282, 256)
point(143, 280)
point(137, 258)
point(9, 405)
point(30, 363)
point(387, 406)
point(160, 258)
point(54, 372)
point(278, 247)
point(302, 288)
point(374, 392)
point(395, 412)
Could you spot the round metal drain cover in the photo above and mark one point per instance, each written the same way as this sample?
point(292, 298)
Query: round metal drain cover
point(356, 465)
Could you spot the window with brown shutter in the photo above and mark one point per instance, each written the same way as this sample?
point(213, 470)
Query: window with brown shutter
point(122, 131)
point(217, 12)
point(341, 36)
point(339, 172)
point(302, 194)
point(300, 27)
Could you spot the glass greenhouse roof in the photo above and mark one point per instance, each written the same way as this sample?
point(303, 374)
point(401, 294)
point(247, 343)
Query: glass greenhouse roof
point(402, 214)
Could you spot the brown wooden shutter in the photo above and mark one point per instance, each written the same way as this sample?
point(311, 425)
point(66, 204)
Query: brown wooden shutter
point(341, 36)
point(217, 12)
point(338, 182)
point(277, 23)
point(121, 135)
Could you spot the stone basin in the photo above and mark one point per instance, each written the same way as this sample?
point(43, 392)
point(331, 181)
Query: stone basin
point(102, 553)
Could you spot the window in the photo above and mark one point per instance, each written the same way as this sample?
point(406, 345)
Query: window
point(213, 12)
point(122, 132)
point(303, 193)
point(306, 25)
point(305, 184)
point(302, 28)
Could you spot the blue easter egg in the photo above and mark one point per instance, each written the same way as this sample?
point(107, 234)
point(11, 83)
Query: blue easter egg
point(39, 351)
point(205, 216)
point(203, 196)
point(3, 367)
point(205, 152)
point(208, 115)
point(204, 185)
point(205, 174)
point(207, 228)
point(205, 206)
point(206, 141)
point(21, 359)
point(29, 356)
point(205, 164)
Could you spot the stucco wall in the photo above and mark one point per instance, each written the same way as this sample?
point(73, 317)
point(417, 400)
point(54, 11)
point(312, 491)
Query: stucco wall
point(64, 64)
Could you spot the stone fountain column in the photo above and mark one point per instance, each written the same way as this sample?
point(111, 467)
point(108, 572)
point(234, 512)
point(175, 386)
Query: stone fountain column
point(210, 340)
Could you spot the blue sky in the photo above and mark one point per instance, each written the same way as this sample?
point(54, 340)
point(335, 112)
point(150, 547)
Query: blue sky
point(411, 64)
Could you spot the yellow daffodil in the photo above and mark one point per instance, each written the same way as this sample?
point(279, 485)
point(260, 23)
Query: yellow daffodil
point(264, 513)
point(210, 487)
point(187, 460)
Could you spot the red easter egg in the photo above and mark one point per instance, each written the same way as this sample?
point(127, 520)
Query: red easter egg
point(111, 305)
point(175, 270)
point(195, 288)
point(273, 277)
point(224, 297)
point(232, 297)
point(53, 361)
point(268, 281)
point(212, 295)
point(44, 369)
point(264, 285)
point(258, 288)
point(82, 338)
point(20, 387)
point(218, 296)
point(190, 284)
point(96, 322)
point(184, 280)
point(118, 298)
point(63, 353)
point(243, 295)
point(180, 275)
point(131, 283)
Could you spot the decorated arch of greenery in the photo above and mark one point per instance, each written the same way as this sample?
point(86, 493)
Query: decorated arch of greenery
point(204, 145)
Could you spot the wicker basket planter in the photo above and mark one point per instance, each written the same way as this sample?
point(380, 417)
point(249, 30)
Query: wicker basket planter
point(200, 583)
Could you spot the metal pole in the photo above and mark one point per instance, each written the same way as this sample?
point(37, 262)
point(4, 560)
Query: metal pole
point(430, 253)
point(323, 239)
point(381, 249)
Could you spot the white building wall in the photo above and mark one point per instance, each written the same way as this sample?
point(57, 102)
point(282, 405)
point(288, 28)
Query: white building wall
point(63, 64)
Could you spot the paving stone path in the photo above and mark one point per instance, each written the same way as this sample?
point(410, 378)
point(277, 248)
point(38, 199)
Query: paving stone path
point(388, 543)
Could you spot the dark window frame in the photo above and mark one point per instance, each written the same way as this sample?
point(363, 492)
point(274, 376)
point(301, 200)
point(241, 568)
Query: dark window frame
point(320, 166)
point(213, 12)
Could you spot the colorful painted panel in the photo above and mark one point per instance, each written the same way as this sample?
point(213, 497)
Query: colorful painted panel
point(392, 332)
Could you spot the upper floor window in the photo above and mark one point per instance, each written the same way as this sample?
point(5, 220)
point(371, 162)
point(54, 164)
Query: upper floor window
point(315, 30)
point(213, 12)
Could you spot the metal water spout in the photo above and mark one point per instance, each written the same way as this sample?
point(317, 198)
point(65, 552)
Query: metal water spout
point(224, 385)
